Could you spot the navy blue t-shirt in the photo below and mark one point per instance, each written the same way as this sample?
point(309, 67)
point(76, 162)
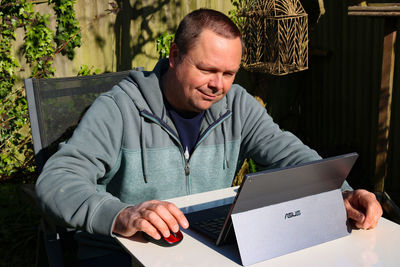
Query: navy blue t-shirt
point(188, 126)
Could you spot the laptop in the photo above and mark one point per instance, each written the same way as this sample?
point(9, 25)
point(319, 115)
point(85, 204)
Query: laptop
point(274, 203)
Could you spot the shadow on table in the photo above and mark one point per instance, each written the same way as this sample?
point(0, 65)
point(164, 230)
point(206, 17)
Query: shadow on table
point(229, 251)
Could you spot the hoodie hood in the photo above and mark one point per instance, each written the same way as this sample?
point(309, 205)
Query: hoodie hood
point(149, 96)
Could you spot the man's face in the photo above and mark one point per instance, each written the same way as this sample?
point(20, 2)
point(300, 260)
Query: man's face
point(205, 74)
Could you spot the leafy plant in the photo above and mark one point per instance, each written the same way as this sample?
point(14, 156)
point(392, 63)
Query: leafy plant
point(235, 13)
point(40, 46)
point(10, 17)
point(13, 111)
point(39, 50)
point(85, 70)
point(67, 27)
point(164, 42)
point(252, 166)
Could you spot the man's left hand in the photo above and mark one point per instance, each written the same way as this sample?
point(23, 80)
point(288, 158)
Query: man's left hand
point(363, 208)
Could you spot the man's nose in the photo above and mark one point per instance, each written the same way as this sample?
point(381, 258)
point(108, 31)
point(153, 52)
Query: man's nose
point(216, 82)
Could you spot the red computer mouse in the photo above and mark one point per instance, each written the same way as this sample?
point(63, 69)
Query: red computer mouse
point(172, 240)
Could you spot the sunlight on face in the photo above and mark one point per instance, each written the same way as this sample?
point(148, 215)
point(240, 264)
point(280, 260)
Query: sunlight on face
point(206, 73)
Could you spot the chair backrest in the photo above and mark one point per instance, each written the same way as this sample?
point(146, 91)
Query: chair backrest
point(56, 105)
point(55, 108)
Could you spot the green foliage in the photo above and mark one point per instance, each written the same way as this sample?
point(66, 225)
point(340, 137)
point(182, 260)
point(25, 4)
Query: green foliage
point(14, 128)
point(16, 146)
point(38, 46)
point(252, 166)
point(68, 32)
point(11, 17)
point(163, 44)
point(85, 70)
point(39, 50)
point(7, 65)
point(235, 13)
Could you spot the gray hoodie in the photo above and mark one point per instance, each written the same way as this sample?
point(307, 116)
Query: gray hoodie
point(126, 150)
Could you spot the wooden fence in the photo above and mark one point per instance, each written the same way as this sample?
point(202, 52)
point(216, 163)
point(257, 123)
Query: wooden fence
point(121, 41)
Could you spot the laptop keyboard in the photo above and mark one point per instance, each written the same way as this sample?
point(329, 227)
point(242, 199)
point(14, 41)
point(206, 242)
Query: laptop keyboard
point(213, 225)
point(209, 221)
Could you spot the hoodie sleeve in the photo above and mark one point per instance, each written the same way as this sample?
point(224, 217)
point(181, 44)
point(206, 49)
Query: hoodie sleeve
point(66, 188)
point(267, 144)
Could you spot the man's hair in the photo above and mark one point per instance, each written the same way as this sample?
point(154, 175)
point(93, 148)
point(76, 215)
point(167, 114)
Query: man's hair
point(195, 22)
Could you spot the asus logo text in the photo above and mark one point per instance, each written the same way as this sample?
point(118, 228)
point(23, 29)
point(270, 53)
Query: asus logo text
point(292, 214)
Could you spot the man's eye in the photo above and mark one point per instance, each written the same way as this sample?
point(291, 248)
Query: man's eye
point(205, 71)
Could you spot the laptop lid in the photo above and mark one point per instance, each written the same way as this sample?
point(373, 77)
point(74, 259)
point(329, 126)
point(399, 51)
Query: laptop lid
point(279, 185)
point(283, 210)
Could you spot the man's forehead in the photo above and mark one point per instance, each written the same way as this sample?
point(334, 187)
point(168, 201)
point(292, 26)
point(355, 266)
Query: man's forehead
point(209, 31)
point(205, 33)
point(213, 50)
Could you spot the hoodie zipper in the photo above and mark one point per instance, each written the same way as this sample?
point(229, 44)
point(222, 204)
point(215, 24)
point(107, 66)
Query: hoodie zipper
point(171, 132)
point(187, 171)
point(187, 157)
point(185, 154)
point(201, 138)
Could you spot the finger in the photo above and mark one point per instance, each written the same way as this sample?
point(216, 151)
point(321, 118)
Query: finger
point(357, 216)
point(371, 223)
point(145, 226)
point(373, 213)
point(178, 215)
point(169, 220)
point(156, 216)
point(171, 215)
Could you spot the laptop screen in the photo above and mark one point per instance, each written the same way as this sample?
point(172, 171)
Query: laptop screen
point(279, 185)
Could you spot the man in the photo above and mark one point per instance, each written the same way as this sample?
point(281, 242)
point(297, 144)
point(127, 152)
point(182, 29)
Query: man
point(181, 129)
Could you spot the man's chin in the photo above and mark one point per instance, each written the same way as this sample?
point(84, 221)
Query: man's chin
point(204, 106)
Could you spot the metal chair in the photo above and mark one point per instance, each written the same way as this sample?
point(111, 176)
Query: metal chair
point(55, 107)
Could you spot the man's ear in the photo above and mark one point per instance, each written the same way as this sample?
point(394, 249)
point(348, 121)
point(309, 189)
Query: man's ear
point(173, 55)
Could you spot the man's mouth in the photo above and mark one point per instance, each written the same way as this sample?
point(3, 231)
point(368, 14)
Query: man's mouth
point(208, 95)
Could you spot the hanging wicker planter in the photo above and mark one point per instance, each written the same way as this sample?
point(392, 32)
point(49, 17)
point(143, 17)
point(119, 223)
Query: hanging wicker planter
point(275, 33)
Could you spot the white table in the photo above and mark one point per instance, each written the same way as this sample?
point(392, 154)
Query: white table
point(377, 247)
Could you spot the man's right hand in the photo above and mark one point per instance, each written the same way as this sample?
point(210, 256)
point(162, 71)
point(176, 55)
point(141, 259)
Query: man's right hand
point(152, 217)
